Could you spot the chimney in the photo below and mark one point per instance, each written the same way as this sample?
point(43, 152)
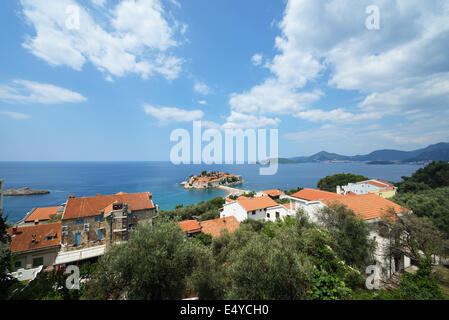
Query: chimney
point(71, 196)
point(98, 195)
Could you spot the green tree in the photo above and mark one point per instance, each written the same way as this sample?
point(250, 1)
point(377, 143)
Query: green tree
point(432, 203)
point(5, 261)
point(351, 235)
point(267, 269)
point(153, 264)
point(330, 183)
point(434, 175)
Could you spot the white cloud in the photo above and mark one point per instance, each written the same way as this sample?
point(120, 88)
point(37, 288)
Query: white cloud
point(132, 37)
point(337, 115)
point(15, 115)
point(210, 125)
point(167, 115)
point(256, 59)
point(23, 91)
point(245, 121)
point(202, 102)
point(401, 68)
point(201, 88)
point(99, 3)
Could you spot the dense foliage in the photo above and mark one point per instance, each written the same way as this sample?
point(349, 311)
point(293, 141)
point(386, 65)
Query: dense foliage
point(434, 175)
point(330, 183)
point(204, 210)
point(153, 264)
point(288, 259)
point(433, 204)
point(5, 261)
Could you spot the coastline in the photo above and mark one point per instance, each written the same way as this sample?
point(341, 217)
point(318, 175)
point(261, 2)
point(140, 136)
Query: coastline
point(233, 191)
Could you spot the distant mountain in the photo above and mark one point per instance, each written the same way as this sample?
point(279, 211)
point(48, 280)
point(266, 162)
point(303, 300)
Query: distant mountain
point(435, 152)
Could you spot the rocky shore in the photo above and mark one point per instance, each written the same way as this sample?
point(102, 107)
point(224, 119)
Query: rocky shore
point(23, 192)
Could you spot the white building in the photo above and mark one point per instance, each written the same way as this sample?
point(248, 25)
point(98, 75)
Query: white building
point(257, 208)
point(369, 186)
point(370, 207)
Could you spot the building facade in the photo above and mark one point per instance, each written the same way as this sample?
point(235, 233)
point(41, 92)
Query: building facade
point(257, 208)
point(103, 220)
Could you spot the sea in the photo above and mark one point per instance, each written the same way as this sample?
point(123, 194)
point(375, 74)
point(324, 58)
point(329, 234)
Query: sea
point(162, 179)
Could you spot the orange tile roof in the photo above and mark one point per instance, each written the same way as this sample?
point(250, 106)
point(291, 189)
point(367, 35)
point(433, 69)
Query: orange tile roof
point(190, 226)
point(287, 205)
point(313, 195)
point(385, 182)
point(368, 206)
point(214, 227)
point(42, 214)
point(377, 184)
point(92, 206)
point(21, 240)
point(250, 204)
point(273, 192)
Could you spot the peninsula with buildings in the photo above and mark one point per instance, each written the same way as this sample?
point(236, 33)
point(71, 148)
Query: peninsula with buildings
point(211, 179)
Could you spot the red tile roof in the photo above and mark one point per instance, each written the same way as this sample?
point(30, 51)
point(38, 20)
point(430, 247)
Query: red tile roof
point(92, 206)
point(385, 182)
point(368, 206)
point(214, 227)
point(21, 240)
point(313, 195)
point(377, 184)
point(287, 205)
point(190, 226)
point(250, 204)
point(42, 214)
point(273, 192)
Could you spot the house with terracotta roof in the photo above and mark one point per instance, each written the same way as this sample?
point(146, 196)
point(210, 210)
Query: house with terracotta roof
point(34, 246)
point(273, 193)
point(41, 215)
point(103, 220)
point(257, 208)
point(377, 186)
point(308, 200)
point(369, 207)
point(212, 227)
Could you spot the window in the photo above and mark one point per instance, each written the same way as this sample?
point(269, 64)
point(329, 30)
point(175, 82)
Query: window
point(18, 264)
point(77, 239)
point(79, 221)
point(99, 219)
point(268, 215)
point(38, 262)
point(100, 234)
point(254, 212)
point(277, 214)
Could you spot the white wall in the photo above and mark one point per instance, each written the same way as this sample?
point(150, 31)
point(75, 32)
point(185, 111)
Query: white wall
point(360, 188)
point(283, 212)
point(311, 208)
point(234, 209)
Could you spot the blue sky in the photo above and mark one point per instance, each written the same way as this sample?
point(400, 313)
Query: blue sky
point(134, 70)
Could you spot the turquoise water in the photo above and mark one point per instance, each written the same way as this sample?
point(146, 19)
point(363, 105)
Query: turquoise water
point(161, 179)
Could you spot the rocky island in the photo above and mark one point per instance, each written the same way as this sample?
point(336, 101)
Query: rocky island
point(208, 179)
point(23, 192)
